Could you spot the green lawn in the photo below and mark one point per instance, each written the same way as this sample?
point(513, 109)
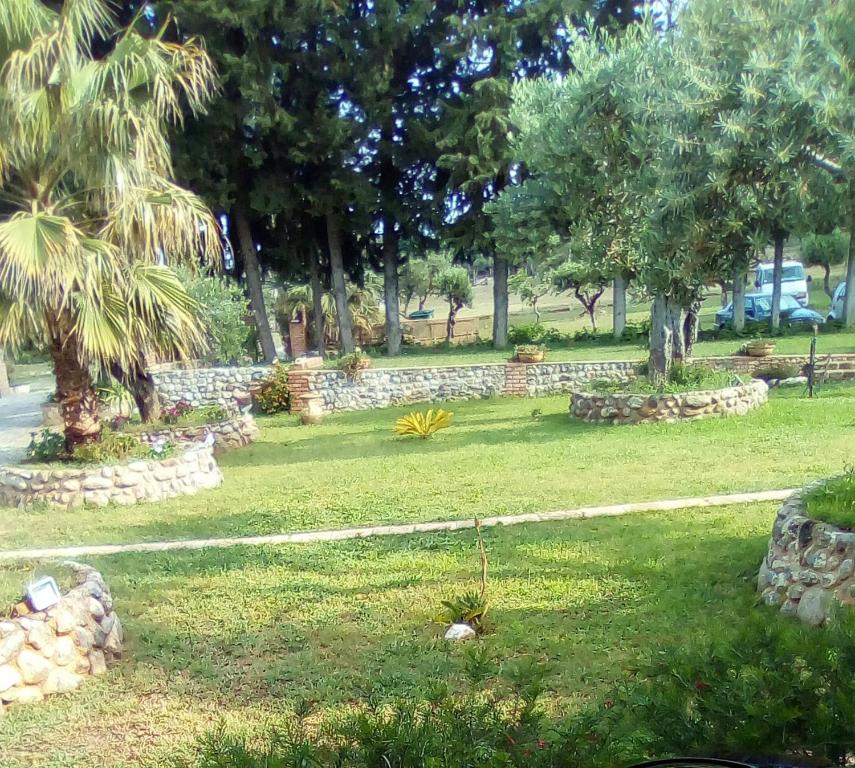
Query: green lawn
point(245, 637)
point(496, 458)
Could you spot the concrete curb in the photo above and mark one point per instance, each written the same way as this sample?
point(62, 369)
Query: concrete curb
point(311, 537)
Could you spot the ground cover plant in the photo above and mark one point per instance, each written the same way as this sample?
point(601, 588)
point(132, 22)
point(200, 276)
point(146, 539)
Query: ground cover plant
point(834, 500)
point(249, 639)
point(681, 378)
point(497, 459)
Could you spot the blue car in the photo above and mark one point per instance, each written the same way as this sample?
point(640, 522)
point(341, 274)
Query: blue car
point(758, 307)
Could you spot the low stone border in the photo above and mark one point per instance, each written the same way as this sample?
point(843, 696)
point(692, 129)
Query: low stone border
point(193, 470)
point(808, 565)
point(682, 406)
point(53, 650)
point(228, 434)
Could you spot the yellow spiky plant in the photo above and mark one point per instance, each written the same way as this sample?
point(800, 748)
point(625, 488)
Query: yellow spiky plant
point(423, 423)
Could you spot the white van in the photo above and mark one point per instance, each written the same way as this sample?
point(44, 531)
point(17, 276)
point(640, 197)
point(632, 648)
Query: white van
point(837, 301)
point(794, 280)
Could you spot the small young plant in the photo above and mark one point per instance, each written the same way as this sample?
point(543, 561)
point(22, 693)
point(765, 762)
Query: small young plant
point(471, 606)
point(46, 445)
point(423, 423)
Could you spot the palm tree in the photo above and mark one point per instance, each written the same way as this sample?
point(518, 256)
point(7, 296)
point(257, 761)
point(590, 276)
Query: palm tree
point(88, 210)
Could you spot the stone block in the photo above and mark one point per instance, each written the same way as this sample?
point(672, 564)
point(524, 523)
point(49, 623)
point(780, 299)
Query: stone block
point(33, 666)
point(9, 678)
point(61, 681)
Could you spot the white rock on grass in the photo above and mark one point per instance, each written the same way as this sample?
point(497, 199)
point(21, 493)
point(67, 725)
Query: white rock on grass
point(458, 632)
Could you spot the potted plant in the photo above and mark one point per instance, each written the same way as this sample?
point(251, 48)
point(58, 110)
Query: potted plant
point(758, 347)
point(529, 353)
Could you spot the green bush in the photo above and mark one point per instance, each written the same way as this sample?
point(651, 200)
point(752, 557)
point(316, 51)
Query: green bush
point(534, 333)
point(224, 308)
point(46, 446)
point(274, 396)
point(834, 500)
point(113, 446)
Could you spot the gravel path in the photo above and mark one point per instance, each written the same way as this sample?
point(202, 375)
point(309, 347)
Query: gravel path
point(20, 416)
point(308, 537)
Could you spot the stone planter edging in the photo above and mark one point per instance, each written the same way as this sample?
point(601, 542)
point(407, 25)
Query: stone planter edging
point(194, 469)
point(52, 651)
point(630, 408)
point(809, 564)
point(228, 434)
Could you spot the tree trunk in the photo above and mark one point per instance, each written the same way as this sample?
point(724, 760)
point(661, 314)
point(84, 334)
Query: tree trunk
point(659, 361)
point(724, 290)
point(500, 302)
point(318, 330)
point(142, 387)
point(5, 388)
point(253, 282)
point(422, 300)
point(739, 300)
point(390, 289)
point(826, 280)
point(452, 321)
point(777, 275)
point(619, 306)
point(536, 309)
point(678, 341)
point(691, 323)
point(75, 390)
point(591, 308)
point(849, 300)
point(339, 287)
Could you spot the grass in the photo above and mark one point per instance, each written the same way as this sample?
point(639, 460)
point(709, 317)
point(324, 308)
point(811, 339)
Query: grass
point(498, 457)
point(834, 501)
point(249, 638)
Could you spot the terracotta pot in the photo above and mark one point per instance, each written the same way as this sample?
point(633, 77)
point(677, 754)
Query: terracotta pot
point(760, 348)
point(530, 357)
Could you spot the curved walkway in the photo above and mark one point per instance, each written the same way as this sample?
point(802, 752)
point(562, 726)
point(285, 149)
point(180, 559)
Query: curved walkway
point(309, 537)
point(20, 416)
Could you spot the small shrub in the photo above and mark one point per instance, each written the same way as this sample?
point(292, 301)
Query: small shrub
point(161, 449)
point(113, 446)
point(274, 396)
point(353, 363)
point(776, 371)
point(172, 413)
point(210, 414)
point(834, 500)
point(114, 395)
point(423, 424)
point(526, 333)
point(468, 608)
point(46, 446)
point(119, 423)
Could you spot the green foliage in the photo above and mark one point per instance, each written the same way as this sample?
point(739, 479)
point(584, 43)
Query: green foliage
point(418, 277)
point(822, 250)
point(533, 333)
point(776, 371)
point(113, 446)
point(834, 500)
point(467, 608)
point(682, 377)
point(115, 395)
point(423, 424)
point(274, 394)
point(529, 349)
point(223, 309)
point(453, 285)
point(351, 365)
point(46, 446)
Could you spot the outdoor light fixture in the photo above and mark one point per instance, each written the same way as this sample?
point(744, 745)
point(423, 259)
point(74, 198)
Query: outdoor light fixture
point(43, 593)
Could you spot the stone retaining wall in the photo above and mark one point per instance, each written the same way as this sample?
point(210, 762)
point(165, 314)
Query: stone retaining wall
point(808, 564)
point(380, 387)
point(683, 406)
point(193, 470)
point(206, 386)
point(231, 433)
point(52, 651)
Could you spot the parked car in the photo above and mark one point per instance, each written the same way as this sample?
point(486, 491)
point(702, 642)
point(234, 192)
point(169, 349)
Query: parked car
point(837, 301)
point(758, 307)
point(794, 280)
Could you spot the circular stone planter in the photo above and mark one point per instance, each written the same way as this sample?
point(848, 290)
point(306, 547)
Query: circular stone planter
point(529, 357)
point(809, 564)
point(682, 406)
point(193, 470)
point(52, 651)
point(228, 434)
point(759, 348)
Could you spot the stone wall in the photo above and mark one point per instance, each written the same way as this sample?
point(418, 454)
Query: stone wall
point(53, 650)
point(231, 433)
point(380, 387)
point(684, 406)
point(193, 470)
point(206, 386)
point(808, 564)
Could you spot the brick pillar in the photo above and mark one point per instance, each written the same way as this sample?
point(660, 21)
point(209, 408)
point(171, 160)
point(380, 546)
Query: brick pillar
point(298, 384)
point(297, 336)
point(516, 379)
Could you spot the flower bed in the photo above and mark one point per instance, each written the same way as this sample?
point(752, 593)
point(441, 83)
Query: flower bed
point(228, 433)
point(810, 564)
point(51, 651)
point(627, 408)
point(194, 469)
